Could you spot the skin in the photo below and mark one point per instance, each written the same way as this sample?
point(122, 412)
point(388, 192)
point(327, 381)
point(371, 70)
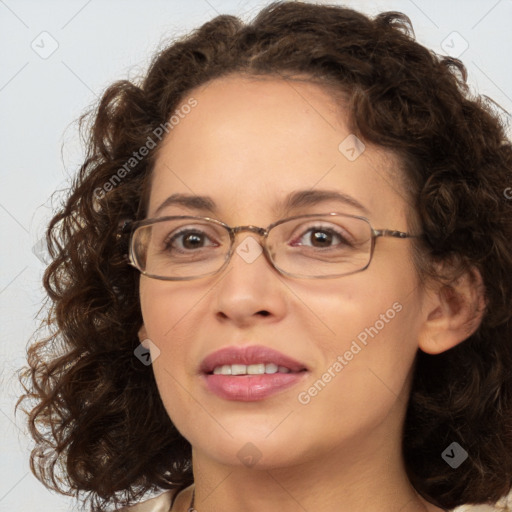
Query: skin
point(247, 144)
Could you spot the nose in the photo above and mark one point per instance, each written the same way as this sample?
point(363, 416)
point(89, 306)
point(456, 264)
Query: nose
point(250, 290)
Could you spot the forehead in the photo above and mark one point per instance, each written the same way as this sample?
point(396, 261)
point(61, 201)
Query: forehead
point(250, 141)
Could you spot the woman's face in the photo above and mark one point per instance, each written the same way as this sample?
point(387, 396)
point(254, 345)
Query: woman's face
point(248, 144)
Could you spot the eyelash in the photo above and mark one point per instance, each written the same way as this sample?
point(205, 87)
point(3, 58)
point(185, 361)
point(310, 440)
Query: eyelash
point(183, 232)
point(169, 241)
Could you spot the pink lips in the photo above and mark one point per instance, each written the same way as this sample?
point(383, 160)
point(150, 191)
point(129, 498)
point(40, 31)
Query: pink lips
point(249, 388)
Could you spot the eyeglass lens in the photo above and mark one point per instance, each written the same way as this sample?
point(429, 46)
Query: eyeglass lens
point(315, 246)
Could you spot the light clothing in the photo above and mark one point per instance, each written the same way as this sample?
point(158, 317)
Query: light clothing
point(162, 503)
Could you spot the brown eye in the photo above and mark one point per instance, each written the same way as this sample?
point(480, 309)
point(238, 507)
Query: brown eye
point(321, 238)
point(188, 239)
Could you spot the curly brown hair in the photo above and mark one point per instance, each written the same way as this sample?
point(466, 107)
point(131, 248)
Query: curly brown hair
point(97, 418)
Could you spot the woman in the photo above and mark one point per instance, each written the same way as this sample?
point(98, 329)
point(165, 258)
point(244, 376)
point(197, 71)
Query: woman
point(282, 280)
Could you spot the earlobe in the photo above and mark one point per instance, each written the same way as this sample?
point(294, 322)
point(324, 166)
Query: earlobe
point(142, 333)
point(452, 313)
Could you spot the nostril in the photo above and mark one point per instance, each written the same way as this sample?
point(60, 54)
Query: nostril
point(263, 313)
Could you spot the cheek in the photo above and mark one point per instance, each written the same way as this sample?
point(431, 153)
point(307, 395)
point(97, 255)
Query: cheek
point(161, 314)
point(365, 362)
point(366, 326)
point(166, 309)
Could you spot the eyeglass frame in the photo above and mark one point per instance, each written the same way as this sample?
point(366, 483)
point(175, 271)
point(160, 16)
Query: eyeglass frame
point(263, 233)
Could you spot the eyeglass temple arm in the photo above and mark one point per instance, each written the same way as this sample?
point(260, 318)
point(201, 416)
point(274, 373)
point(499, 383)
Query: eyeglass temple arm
point(393, 232)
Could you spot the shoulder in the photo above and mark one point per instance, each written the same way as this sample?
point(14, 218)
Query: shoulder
point(481, 508)
point(161, 503)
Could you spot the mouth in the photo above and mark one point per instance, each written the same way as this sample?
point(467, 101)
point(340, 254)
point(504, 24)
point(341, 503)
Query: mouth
point(249, 360)
point(251, 369)
point(250, 373)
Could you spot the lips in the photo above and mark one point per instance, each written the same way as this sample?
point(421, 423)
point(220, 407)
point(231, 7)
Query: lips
point(250, 388)
point(253, 354)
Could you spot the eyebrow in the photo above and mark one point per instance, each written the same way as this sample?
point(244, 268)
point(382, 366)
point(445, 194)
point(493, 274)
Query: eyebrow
point(202, 203)
point(303, 198)
point(294, 200)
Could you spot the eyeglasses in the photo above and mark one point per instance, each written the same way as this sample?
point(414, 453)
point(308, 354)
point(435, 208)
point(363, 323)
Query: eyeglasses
point(306, 246)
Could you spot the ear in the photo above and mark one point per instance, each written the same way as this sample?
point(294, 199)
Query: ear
point(452, 313)
point(142, 333)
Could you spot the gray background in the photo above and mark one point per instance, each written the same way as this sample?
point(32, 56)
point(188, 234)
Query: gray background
point(43, 93)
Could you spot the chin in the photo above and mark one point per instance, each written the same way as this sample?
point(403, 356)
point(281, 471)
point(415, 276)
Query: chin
point(250, 451)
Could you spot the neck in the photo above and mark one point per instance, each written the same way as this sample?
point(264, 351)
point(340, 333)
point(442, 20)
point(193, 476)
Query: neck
point(357, 476)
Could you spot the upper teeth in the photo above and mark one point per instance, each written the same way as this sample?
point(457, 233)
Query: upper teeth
point(251, 369)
